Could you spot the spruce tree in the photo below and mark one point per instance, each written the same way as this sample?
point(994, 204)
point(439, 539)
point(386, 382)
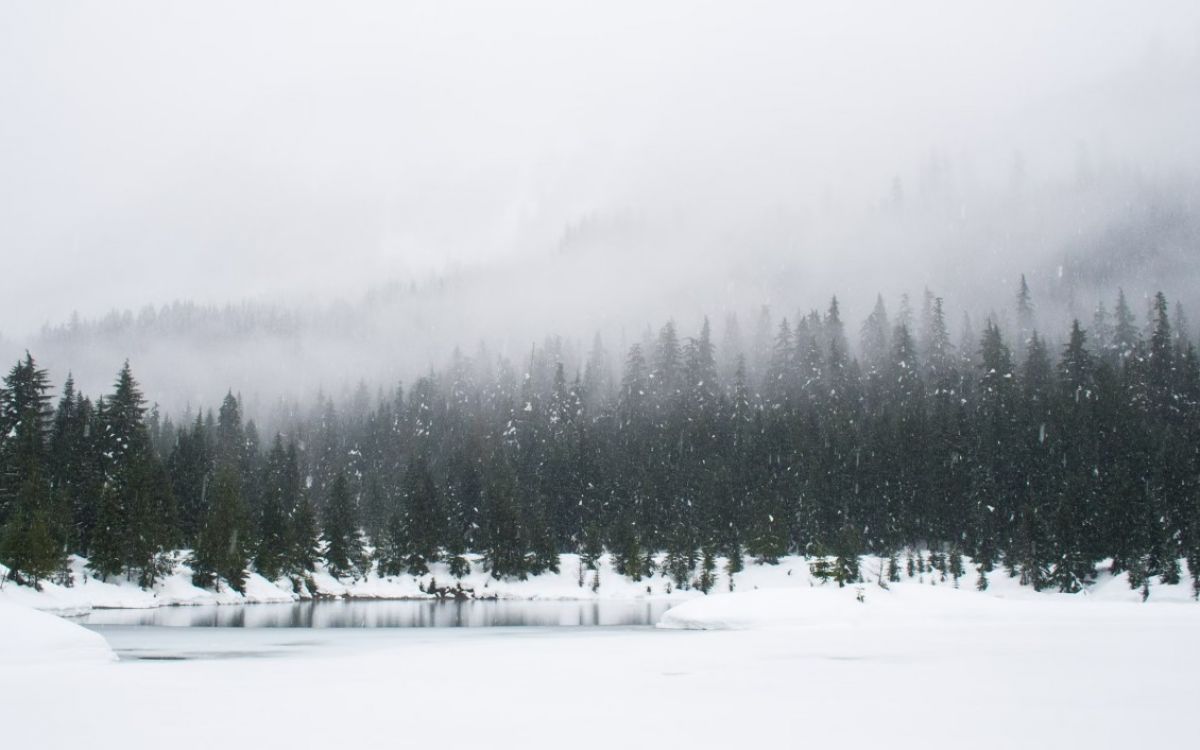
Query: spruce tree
point(191, 465)
point(137, 525)
point(846, 567)
point(279, 489)
point(221, 550)
point(708, 569)
point(74, 468)
point(392, 549)
point(1126, 338)
point(304, 540)
point(33, 536)
point(1025, 319)
point(344, 551)
point(504, 546)
point(423, 519)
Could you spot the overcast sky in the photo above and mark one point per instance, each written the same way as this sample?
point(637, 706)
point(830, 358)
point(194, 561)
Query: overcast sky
point(278, 150)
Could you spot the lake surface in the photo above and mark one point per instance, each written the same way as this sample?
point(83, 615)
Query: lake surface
point(319, 628)
point(375, 613)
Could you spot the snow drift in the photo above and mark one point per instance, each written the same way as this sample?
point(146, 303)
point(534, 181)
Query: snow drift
point(824, 606)
point(28, 636)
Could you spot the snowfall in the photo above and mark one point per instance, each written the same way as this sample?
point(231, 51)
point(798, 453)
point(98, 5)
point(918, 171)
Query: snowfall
point(782, 661)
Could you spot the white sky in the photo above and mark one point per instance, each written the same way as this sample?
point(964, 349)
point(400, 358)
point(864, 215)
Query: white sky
point(220, 150)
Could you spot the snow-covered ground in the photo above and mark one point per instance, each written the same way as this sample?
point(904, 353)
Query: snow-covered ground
point(88, 592)
point(781, 662)
point(28, 636)
point(915, 666)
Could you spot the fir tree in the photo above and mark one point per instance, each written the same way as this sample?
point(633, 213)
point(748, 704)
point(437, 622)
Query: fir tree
point(708, 568)
point(391, 551)
point(504, 553)
point(32, 540)
point(221, 551)
point(279, 488)
point(1025, 321)
point(846, 568)
point(1125, 332)
point(422, 518)
point(344, 552)
point(304, 536)
point(137, 516)
point(893, 568)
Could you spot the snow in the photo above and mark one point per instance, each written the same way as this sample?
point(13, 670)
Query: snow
point(858, 606)
point(784, 608)
point(88, 592)
point(780, 662)
point(28, 636)
point(1000, 673)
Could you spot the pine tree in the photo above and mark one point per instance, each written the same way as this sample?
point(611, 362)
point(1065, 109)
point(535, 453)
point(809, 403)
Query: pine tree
point(996, 489)
point(597, 375)
point(821, 568)
point(344, 552)
point(768, 534)
point(893, 568)
point(107, 551)
point(74, 468)
point(304, 537)
point(1025, 319)
point(846, 568)
point(504, 551)
point(422, 518)
point(32, 540)
point(136, 526)
point(1103, 333)
point(221, 550)
point(780, 385)
point(955, 564)
point(1077, 490)
point(191, 464)
point(876, 346)
point(981, 582)
point(708, 568)
point(1125, 332)
point(391, 551)
point(734, 563)
point(279, 489)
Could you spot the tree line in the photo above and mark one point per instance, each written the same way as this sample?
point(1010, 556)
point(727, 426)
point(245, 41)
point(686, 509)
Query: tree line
point(1035, 460)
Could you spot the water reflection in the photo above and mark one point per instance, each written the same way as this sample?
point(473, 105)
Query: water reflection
point(392, 614)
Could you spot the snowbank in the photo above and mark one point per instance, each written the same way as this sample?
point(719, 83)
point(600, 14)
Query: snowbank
point(87, 593)
point(804, 602)
point(775, 608)
point(830, 606)
point(31, 637)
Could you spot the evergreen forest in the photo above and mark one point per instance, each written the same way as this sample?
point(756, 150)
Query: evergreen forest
point(1035, 454)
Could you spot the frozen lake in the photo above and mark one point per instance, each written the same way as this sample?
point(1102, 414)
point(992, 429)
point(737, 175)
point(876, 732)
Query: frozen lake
point(377, 613)
point(263, 630)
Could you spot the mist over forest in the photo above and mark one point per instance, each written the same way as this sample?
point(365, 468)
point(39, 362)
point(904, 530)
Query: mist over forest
point(605, 276)
point(316, 214)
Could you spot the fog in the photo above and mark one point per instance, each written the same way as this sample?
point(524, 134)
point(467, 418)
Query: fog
point(351, 192)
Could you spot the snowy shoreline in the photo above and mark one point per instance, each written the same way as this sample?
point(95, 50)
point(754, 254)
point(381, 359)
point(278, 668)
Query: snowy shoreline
point(605, 584)
point(176, 590)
